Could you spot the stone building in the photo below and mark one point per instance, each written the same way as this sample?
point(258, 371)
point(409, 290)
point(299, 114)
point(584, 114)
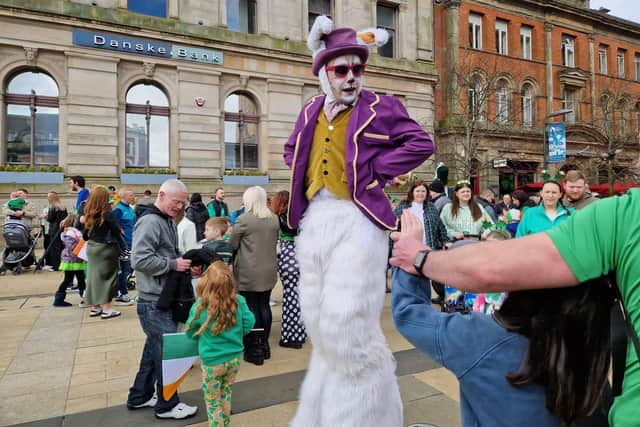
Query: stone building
point(508, 67)
point(192, 88)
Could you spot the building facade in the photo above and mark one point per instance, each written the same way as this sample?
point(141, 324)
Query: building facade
point(509, 67)
point(199, 89)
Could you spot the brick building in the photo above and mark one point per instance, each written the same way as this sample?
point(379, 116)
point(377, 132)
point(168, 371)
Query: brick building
point(508, 67)
point(192, 87)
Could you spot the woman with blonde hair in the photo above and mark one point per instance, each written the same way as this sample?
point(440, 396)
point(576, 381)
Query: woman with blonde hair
point(254, 237)
point(104, 244)
point(56, 213)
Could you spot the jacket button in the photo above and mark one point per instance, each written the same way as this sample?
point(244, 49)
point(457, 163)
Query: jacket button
point(325, 161)
point(330, 127)
point(325, 173)
point(327, 140)
point(326, 150)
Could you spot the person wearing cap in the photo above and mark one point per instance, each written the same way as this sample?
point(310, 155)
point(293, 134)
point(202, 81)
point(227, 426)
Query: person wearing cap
point(346, 144)
point(438, 195)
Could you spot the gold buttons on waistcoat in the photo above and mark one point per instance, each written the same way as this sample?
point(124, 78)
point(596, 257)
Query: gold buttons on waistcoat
point(331, 127)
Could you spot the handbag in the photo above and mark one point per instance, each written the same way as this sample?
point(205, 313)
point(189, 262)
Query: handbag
point(80, 250)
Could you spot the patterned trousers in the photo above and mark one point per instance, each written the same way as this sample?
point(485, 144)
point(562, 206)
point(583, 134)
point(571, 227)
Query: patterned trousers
point(216, 387)
point(292, 327)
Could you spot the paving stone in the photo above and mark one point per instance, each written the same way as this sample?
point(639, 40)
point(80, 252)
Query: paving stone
point(42, 361)
point(37, 405)
point(34, 382)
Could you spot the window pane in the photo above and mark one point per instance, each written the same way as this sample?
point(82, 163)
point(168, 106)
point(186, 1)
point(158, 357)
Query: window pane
point(241, 15)
point(42, 84)
point(250, 156)
point(46, 147)
point(18, 133)
point(237, 102)
point(386, 16)
point(159, 142)
point(231, 156)
point(141, 93)
point(320, 7)
point(136, 141)
point(148, 7)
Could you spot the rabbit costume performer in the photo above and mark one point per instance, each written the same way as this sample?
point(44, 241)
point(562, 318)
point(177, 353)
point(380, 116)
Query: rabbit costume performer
point(346, 145)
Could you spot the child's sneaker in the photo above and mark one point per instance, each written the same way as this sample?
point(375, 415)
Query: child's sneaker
point(123, 300)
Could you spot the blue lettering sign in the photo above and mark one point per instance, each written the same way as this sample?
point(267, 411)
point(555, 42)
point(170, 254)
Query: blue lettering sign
point(146, 47)
point(121, 44)
point(557, 141)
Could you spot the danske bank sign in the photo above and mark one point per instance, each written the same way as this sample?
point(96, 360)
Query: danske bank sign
point(145, 47)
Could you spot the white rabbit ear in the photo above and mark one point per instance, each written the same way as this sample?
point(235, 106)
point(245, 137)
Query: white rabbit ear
point(321, 26)
point(373, 37)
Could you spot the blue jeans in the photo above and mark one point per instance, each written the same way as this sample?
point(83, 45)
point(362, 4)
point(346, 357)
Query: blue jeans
point(154, 323)
point(125, 269)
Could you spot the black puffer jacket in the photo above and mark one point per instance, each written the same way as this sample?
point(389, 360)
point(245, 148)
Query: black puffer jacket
point(198, 214)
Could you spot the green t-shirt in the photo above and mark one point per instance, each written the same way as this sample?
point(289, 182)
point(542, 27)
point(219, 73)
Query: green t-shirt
point(217, 349)
point(602, 237)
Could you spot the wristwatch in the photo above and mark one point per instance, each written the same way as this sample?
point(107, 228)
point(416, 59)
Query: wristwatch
point(421, 258)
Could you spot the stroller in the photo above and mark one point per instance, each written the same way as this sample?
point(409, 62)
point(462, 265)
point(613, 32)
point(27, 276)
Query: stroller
point(19, 247)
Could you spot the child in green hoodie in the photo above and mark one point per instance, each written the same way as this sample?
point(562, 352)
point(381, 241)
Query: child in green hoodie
point(219, 319)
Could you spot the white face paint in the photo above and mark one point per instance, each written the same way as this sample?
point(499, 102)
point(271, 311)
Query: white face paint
point(345, 88)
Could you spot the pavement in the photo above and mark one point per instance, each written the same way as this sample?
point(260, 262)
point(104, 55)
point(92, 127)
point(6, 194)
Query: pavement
point(58, 366)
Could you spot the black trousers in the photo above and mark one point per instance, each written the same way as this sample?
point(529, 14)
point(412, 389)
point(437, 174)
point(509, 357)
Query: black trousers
point(258, 303)
point(68, 278)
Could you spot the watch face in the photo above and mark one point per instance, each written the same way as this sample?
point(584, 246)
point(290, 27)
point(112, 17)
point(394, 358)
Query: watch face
point(419, 261)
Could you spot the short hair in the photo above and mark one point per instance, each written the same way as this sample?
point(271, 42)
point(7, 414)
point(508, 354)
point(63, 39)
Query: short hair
point(78, 180)
point(171, 185)
point(196, 198)
point(218, 223)
point(147, 193)
point(124, 190)
point(111, 188)
point(24, 190)
point(488, 191)
point(575, 175)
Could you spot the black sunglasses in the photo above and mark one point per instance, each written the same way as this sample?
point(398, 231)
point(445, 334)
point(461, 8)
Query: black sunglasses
point(343, 70)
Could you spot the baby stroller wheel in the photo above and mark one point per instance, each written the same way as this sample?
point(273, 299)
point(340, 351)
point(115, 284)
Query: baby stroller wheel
point(17, 270)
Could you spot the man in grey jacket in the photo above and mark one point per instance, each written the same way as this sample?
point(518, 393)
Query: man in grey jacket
point(154, 254)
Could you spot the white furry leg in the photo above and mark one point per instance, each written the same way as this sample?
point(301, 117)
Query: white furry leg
point(309, 413)
point(351, 378)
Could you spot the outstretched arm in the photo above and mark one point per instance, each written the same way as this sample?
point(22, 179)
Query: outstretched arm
point(530, 262)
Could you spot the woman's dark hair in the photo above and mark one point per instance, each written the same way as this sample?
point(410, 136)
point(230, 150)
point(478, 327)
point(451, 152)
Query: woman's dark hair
point(196, 198)
point(476, 212)
point(414, 185)
point(280, 202)
point(561, 192)
point(568, 351)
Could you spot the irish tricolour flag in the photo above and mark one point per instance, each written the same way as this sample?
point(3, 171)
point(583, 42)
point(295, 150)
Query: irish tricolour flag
point(178, 354)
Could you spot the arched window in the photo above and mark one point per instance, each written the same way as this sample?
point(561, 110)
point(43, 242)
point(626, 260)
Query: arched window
point(32, 138)
point(240, 132)
point(147, 127)
point(502, 101)
point(527, 105)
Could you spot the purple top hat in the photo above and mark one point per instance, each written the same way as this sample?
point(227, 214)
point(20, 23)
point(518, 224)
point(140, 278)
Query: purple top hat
point(341, 41)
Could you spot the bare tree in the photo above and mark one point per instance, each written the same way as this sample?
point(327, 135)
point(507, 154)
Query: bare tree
point(481, 101)
point(613, 119)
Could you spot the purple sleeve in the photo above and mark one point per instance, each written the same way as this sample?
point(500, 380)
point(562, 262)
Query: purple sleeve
point(412, 144)
point(290, 146)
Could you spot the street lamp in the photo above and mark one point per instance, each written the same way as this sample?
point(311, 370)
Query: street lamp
point(545, 145)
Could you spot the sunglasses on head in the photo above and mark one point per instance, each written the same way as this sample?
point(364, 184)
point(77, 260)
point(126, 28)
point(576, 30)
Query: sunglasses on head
point(343, 70)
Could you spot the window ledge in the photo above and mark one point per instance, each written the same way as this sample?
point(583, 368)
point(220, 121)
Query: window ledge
point(145, 178)
point(31, 177)
point(245, 179)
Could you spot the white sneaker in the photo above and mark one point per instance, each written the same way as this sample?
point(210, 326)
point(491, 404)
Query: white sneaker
point(179, 412)
point(148, 404)
point(123, 300)
point(47, 268)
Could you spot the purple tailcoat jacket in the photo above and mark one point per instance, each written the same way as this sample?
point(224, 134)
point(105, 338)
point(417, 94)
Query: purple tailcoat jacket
point(382, 143)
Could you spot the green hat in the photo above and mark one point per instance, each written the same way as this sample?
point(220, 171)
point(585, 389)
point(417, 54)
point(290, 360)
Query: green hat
point(16, 204)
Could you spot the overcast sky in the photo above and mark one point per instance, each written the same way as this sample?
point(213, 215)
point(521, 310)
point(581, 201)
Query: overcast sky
point(626, 9)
